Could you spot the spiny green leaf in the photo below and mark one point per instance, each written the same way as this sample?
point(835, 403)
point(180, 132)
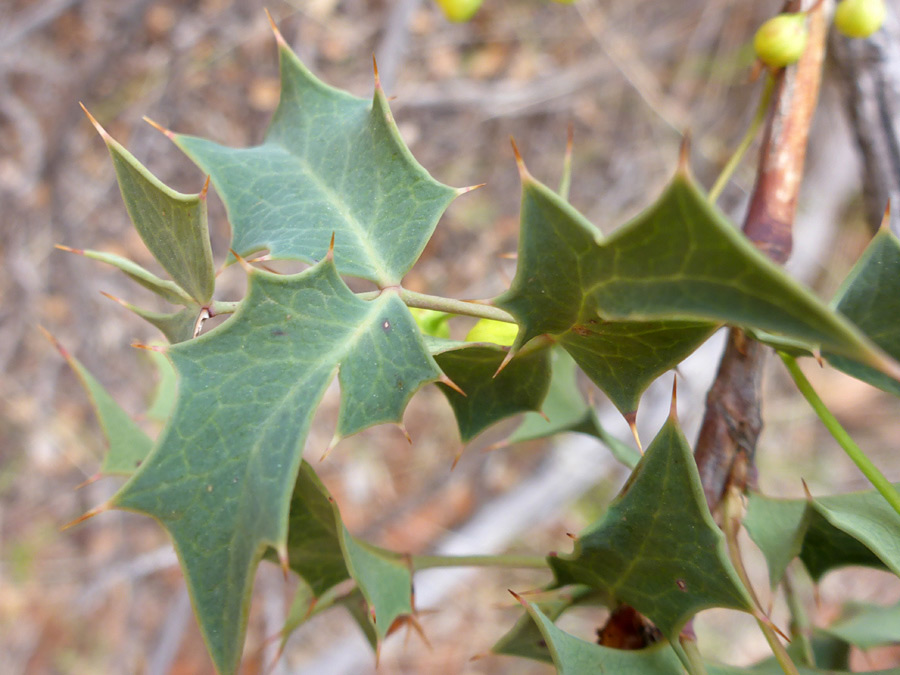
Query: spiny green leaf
point(176, 326)
point(166, 388)
point(870, 298)
point(330, 163)
point(574, 656)
point(657, 547)
point(314, 548)
point(128, 445)
point(635, 304)
point(384, 578)
point(858, 528)
point(221, 477)
point(566, 410)
point(173, 225)
point(525, 639)
point(519, 387)
point(867, 626)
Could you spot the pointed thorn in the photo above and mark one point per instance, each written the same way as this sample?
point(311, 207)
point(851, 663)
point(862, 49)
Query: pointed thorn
point(509, 256)
point(278, 36)
point(283, 560)
point(201, 319)
point(78, 251)
point(331, 446)
point(572, 536)
point(673, 407)
point(443, 379)
point(160, 128)
point(115, 299)
point(330, 254)
point(90, 514)
point(100, 130)
point(499, 445)
point(151, 348)
point(886, 218)
point(417, 627)
point(62, 350)
point(205, 189)
point(459, 454)
point(518, 597)
point(631, 418)
point(375, 69)
point(544, 415)
point(248, 268)
point(405, 432)
point(570, 142)
point(93, 479)
point(505, 362)
point(817, 355)
point(684, 153)
point(809, 496)
point(520, 163)
point(470, 188)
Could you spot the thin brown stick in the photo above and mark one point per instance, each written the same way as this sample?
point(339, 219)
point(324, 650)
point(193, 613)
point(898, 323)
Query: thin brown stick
point(732, 422)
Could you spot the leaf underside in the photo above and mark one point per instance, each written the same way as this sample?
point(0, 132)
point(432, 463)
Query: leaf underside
point(331, 163)
point(221, 477)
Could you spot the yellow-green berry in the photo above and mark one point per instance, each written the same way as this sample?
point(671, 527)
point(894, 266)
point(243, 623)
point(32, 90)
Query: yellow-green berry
point(859, 18)
point(459, 11)
point(780, 41)
point(498, 332)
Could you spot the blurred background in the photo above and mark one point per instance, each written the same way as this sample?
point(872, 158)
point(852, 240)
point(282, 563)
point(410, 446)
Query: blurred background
point(628, 75)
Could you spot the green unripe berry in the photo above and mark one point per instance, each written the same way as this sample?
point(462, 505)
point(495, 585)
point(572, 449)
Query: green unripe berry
point(498, 332)
point(780, 41)
point(859, 18)
point(459, 11)
point(431, 322)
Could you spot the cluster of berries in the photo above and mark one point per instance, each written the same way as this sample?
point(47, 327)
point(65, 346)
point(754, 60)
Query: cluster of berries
point(780, 41)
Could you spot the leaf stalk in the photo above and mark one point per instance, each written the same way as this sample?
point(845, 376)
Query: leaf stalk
point(869, 470)
point(422, 562)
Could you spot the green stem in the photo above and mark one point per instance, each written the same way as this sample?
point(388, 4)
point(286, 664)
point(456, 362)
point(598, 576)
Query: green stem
point(422, 562)
point(731, 525)
point(746, 141)
point(451, 306)
point(801, 630)
point(694, 664)
point(834, 427)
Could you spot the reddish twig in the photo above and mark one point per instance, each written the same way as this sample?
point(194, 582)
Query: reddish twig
point(732, 423)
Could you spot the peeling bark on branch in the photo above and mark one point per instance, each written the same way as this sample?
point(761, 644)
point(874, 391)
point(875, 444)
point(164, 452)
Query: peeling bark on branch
point(732, 422)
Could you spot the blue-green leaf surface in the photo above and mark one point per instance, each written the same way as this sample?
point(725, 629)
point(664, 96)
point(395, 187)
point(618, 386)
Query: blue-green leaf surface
point(330, 163)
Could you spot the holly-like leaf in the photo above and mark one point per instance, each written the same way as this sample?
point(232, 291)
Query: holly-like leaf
point(870, 298)
point(867, 626)
point(859, 528)
point(176, 326)
point(519, 387)
point(314, 549)
point(127, 443)
point(323, 553)
point(173, 225)
point(564, 409)
point(657, 547)
point(525, 639)
point(167, 290)
point(330, 163)
point(384, 578)
point(166, 388)
point(573, 656)
point(633, 305)
point(221, 477)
